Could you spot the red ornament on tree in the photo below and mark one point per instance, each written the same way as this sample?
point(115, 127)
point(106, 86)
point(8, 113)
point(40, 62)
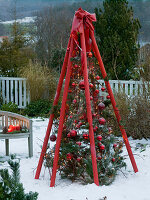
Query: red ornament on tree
point(90, 55)
point(102, 89)
point(74, 101)
point(99, 138)
point(97, 77)
point(102, 121)
point(94, 115)
point(96, 91)
point(113, 159)
point(99, 144)
point(73, 133)
point(91, 85)
point(101, 106)
point(91, 98)
point(114, 146)
point(81, 85)
point(73, 85)
point(78, 159)
point(78, 143)
point(99, 157)
point(70, 91)
point(69, 156)
point(68, 135)
point(102, 147)
point(85, 136)
point(53, 138)
point(108, 97)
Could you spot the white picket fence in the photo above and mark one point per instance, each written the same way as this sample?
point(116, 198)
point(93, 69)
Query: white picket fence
point(15, 89)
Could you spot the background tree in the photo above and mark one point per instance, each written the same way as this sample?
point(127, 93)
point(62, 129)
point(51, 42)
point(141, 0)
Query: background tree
point(117, 32)
point(15, 52)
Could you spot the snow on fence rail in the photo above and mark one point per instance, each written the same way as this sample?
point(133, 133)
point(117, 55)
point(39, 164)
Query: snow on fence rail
point(14, 90)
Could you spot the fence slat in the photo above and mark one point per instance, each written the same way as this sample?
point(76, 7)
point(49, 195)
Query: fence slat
point(3, 90)
point(126, 89)
point(20, 93)
point(7, 91)
point(12, 90)
point(24, 93)
point(16, 92)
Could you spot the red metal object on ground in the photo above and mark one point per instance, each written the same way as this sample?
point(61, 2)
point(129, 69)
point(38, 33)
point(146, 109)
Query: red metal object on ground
point(82, 23)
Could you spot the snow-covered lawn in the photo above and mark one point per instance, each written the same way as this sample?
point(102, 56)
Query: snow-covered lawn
point(127, 186)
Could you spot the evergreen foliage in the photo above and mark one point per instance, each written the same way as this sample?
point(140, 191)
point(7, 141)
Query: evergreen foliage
point(10, 186)
point(75, 154)
point(14, 52)
point(117, 31)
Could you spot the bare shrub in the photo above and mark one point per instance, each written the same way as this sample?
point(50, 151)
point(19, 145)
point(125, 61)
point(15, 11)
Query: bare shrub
point(42, 81)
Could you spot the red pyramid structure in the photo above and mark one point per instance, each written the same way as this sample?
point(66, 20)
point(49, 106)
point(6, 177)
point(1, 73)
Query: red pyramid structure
point(82, 25)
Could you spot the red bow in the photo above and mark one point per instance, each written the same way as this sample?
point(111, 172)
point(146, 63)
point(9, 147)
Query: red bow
point(82, 16)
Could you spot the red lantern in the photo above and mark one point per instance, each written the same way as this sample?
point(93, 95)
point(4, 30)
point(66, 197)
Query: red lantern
point(99, 138)
point(73, 133)
point(81, 85)
point(85, 136)
point(101, 106)
point(102, 121)
point(53, 138)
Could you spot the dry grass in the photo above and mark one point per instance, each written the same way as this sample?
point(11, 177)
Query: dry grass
point(42, 81)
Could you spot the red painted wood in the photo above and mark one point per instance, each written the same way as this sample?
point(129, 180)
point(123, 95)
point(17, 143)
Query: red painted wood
point(88, 107)
point(62, 115)
point(116, 111)
point(62, 75)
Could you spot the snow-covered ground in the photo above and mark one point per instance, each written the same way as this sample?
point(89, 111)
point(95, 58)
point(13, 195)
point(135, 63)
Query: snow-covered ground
point(127, 185)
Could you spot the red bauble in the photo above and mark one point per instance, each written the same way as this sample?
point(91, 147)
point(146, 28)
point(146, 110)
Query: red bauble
point(94, 129)
point(102, 147)
point(102, 89)
point(78, 143)
point(99, 144)
point(12, 127)
point(110, 130)
point(53, 138)
point(113, 159)
point(108, 97)
point(71, 116)
point(97, 77)
point(74, 101)
point(102, 121)
point(81, 85)
point(91, 98)
point(73, 85)
point(10, 130)
point(90, 55)
point(69, 156)
point(80, 123)
point(73, 133)
point(94, 115)
point(76, 66)
point(68, 135)
point(70, 91)
point(91, 85)
point(85, 136)
point(99, 157)
point(101, 106)
point(78, 159)
point(96, 91)
point(75, 121)
point(114, 146)
point(99, 138)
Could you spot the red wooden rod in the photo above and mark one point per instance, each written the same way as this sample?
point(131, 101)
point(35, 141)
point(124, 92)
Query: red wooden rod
point(88, 107)
point(104, 74)
point(62, 115)
point(62, 75)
